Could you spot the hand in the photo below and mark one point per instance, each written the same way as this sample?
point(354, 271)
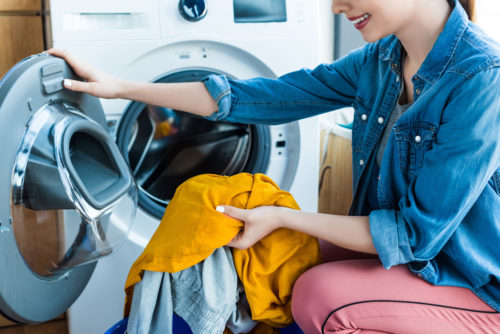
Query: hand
point(97, 83)
point(258, 223)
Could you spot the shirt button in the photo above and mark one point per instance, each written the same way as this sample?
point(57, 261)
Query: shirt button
point(364, 117)
point(361, 162)
point(397, 78)
point(417, 91)
point(418, 139)
point(380, 120)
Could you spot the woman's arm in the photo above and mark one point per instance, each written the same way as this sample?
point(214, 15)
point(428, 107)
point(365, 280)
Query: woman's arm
point(191, 97)
point(348, 232)
point(291, 97)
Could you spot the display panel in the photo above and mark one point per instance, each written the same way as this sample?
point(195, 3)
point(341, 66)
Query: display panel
point(256, 11)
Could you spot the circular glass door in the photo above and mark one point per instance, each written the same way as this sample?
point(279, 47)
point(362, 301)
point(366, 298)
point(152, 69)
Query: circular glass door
point(165, 147)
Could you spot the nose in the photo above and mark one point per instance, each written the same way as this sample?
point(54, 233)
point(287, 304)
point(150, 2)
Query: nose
point(339, 6)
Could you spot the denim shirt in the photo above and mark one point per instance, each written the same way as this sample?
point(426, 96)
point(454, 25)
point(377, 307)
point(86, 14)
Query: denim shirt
point(438, 187)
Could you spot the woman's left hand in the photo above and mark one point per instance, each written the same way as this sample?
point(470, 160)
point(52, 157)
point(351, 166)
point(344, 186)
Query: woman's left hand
point(258, 223)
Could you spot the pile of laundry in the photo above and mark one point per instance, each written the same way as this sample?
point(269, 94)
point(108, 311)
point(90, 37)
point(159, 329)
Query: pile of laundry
point(186, 268)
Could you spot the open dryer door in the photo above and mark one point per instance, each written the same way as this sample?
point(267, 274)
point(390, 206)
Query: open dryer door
point(67, 196)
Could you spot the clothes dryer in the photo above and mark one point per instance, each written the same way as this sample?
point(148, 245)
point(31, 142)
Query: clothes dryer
point(175, 41)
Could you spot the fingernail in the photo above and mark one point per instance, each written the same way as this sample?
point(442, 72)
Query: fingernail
point(220, 209)
point(67, 83)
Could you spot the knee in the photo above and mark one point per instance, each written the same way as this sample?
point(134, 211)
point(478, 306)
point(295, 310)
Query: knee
point(302, 289)
point(307, 304)
point(323, 289)
point(299, 292)
point(320, 286)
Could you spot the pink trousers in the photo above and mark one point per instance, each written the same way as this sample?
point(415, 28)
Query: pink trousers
point(355, 294)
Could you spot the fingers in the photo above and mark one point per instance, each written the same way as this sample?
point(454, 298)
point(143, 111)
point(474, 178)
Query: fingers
point(78, 86)
point(242, 240)
point(94, 82)
point(73, 85)
point(56, 52)
point(66, 55)
point(232, 211)
point(239, 241)
point(74, 62)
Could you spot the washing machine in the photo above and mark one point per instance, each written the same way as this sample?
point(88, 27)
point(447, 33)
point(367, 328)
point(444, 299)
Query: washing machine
point(68, 197)
point(160, 41)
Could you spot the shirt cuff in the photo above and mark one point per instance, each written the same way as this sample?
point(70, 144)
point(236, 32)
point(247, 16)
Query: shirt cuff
point(390, 237)
point(218, 87)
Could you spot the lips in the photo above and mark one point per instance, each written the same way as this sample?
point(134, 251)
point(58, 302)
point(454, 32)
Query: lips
point(360, 21)
point(356, 17)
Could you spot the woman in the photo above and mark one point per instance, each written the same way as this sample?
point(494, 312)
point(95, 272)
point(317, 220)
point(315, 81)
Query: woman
point(426, 168)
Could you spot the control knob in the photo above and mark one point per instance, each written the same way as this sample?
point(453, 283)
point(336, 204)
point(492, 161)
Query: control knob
point(193, 10)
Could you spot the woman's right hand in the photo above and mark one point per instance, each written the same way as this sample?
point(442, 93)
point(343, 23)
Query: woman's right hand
point(97, 83)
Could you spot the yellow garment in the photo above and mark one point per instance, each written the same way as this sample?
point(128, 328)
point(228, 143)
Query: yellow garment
point(191, 229)
point(162, 129)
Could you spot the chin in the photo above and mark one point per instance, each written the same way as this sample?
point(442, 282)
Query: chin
point(372, 38)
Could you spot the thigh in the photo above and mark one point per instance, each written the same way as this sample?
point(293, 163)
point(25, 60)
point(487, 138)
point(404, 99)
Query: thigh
point(331, 253)
point(360, 296)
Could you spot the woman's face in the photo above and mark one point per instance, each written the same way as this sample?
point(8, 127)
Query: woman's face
point(376, 19)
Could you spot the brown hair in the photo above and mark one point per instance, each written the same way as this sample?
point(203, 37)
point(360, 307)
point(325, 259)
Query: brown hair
point(470, 8)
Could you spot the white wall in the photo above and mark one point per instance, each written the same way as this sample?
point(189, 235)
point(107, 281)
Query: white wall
point(488, 17)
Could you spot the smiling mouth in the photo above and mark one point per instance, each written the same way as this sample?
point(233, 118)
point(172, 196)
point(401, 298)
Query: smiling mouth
point(361, 19)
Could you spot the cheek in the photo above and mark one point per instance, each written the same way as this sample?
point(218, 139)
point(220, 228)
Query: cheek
point(397, 15)
point(378, 28)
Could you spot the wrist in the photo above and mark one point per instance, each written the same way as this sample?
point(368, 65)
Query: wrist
point(122, 87)
point(281, 217)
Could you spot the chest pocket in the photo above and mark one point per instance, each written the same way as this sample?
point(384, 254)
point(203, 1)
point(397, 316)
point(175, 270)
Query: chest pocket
point(413, 140)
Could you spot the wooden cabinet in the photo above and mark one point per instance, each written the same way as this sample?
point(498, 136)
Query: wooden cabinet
point(335, 188)
point(4, 322)
point(17, 5)
point(58, 326)
point(21, 31)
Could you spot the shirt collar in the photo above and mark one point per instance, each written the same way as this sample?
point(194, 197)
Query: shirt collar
point(438, 58)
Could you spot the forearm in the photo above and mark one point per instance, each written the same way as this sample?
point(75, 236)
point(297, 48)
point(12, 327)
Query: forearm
point(190, 97)
point(350, 232)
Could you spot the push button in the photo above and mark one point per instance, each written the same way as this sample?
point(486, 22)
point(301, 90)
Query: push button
point(51, 69)
point(52, 86)
point(52, 78)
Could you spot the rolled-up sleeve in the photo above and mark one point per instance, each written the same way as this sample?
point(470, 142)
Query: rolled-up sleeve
point(218, 87)
point(291, 97)
point(455, 171)
point(390, 238)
